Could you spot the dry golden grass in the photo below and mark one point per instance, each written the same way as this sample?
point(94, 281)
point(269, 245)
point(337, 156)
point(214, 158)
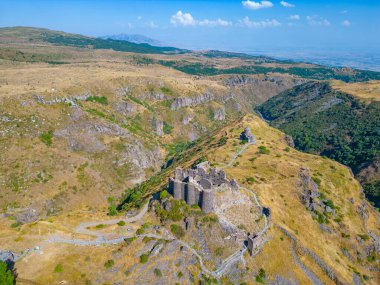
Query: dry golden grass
point(276, 174)
point(369, 90)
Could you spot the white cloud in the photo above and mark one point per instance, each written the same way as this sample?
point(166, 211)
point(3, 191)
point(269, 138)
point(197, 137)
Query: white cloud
point(152, 25)
point(186, 19)
point(257, 5)
point(295, 17)
point(213, 23)
point(183, 19)
point(317, 21)
point(259, 24)
point(286, 4)
point(346, 23)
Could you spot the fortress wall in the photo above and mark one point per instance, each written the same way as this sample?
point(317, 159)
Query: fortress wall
point(171, 186)
point(207, 200)
point(190, 197)
point(178, 186)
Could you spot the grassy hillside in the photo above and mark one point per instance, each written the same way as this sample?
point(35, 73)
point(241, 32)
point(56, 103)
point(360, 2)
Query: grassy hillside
point(331, 123)
point(25, 34)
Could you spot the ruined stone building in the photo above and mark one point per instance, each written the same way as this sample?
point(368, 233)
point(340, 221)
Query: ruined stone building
point(253, 243)
point(246, 135)
point(198, 186)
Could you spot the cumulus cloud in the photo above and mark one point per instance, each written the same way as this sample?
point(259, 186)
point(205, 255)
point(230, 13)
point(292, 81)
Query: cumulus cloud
point(295, 17)
point(346, 23)
point(186, 19)
point(183, 19)
point(286, 4)
point(213, 23)
point(259, 24)
point(317, 21)
point(257, 5)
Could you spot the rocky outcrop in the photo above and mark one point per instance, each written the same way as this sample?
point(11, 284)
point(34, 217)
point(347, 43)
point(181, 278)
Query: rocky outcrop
point(67, 100)
point(158, 126)
point(289, 140)
point(140, 156)
point(124, 108)
point(82, 133)
point(191, 101)
point(220, 114)
point(313, 200)
point(198, 100)
point(187, 119)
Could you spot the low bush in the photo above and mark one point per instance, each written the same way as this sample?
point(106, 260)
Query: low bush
point(109, 263)
point(177, 230)
point(58, 268)
point(98, 99)
point(263, 150)
point(144, 258)
point(47, 138)
point(157, 272)
point(261, 276)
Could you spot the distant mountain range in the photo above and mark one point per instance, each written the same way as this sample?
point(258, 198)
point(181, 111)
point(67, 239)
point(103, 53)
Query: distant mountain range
point(135, 38)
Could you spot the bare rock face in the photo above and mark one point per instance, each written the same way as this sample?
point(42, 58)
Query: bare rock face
point(82, 133)
point(289, 140)
point(28, 215)
point(191, 101)
point(124, 107)
point(220, 114)
point(158, 126)
point(310, 195)
point(187, 119)
point(141, 156)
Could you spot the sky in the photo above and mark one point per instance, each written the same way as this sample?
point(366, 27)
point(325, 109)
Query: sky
point(339, 25)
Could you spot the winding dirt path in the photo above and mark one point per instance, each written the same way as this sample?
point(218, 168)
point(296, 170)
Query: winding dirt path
point(101, 238)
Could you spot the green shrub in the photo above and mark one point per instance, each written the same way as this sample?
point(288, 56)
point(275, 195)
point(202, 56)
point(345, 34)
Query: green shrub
point(261, 276)
point(263, 150)
point(58, 268)
point(157, 272)
point(195, 207)
point(121, 223)
point(109, 263)
point(222, 141)
point(317, 181)
point(112, 211)
point(128, 241)
point(329, 203)
point(177, 230)
point(219, 251)
point(102, 100)
point(250, 180)
point(180, 274)
point(47, 138)
point(15, 225)
point(364, 236)
point(167, 128)
point(6, 275)
point(140, 231)
point(164, 194)
point(100, 226)
point(144, 258)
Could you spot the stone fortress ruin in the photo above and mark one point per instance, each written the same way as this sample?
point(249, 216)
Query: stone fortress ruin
point(247, 136)
point(198, 186)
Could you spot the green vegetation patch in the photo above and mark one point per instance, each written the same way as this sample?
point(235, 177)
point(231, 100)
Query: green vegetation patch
point(332, 124)
point(101, 100)
point(177, 230)
point(47, 137)
point(109, 263)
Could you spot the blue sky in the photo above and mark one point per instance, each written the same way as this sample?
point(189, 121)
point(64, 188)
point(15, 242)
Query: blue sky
point(225, 25)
